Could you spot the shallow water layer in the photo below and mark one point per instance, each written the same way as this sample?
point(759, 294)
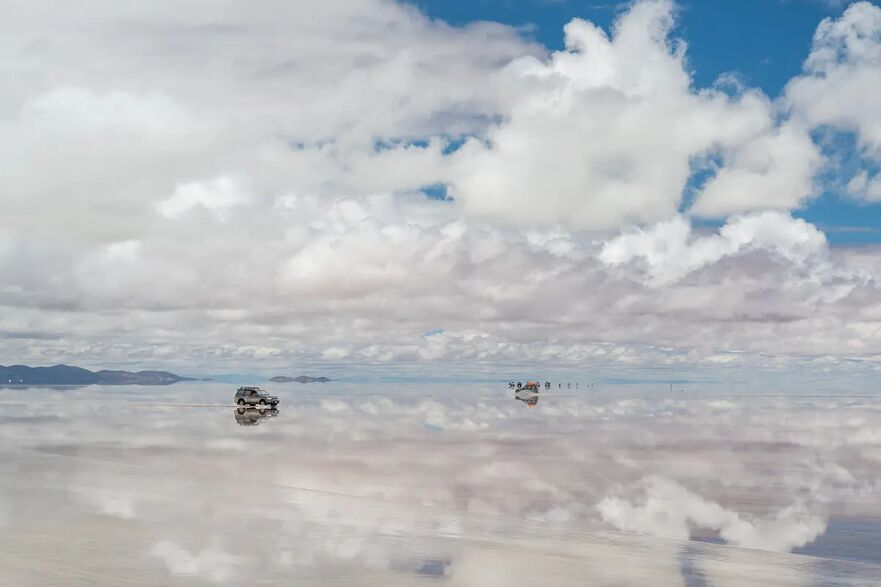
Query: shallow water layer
point(459, 485)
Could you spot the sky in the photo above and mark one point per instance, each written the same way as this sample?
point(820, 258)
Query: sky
point(443, 187)
point(779, 34)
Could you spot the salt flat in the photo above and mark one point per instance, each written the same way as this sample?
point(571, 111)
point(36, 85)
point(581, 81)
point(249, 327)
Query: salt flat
point(460, 485)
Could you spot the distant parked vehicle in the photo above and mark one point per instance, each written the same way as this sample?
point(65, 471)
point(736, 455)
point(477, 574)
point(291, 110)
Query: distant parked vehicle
point(254, 396)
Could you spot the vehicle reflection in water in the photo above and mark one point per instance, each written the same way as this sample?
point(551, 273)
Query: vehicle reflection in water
point(530, 398)
point(253, 416)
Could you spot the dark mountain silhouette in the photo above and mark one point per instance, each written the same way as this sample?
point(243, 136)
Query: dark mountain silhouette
point(67, 375)
point(299, 379)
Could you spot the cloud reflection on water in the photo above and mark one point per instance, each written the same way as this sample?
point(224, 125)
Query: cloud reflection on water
point(356, 483)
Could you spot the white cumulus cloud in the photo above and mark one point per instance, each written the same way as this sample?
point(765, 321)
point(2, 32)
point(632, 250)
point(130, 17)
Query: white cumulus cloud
point(607, 132)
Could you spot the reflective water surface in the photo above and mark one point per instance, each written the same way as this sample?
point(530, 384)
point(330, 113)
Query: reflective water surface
point(457, 485)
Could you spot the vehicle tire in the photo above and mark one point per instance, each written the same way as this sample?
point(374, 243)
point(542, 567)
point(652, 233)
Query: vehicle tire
point(263, 402)
point(241, 402)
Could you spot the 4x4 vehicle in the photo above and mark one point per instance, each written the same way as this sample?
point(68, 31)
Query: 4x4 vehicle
point(253, 396)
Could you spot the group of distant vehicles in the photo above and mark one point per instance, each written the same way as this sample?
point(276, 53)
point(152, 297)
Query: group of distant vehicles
point(530, 385)
point(536, 385)
point(528, 392)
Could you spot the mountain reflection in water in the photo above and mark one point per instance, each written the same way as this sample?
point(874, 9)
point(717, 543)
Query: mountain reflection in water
point(402, 485)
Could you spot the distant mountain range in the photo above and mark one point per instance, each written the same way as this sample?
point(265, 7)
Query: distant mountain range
point(299, 379)
point(67, 375)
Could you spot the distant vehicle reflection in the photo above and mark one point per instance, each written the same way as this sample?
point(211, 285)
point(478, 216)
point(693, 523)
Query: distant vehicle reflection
point(253, 416)
point(528, 397)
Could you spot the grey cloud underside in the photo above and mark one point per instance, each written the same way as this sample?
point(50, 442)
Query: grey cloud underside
point(358, 269)
point(184, 187)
